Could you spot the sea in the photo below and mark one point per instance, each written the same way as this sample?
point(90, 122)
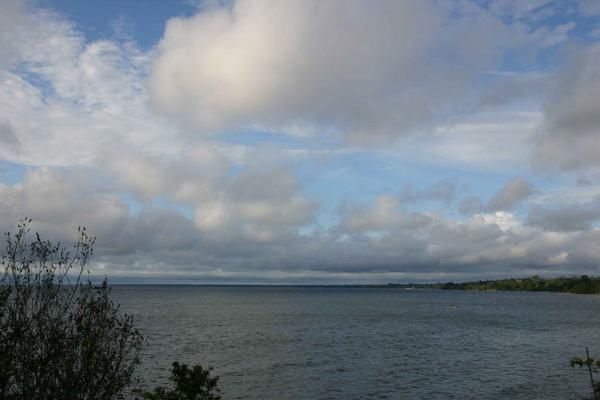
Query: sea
point(308, 343)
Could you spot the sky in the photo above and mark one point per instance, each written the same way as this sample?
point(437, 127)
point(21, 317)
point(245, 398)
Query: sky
point(303, 142)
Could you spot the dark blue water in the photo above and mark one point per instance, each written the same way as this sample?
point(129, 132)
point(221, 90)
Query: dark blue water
point(346, 343)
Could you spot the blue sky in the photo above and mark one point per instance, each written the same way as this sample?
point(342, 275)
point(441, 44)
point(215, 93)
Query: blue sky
point(306, 142)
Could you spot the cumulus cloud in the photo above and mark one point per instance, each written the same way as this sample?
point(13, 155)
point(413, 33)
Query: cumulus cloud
point(393, 240)
point(58, 201)
point(258, 239)
point(343, 66)
point(61, 201)
point(570, 133)
point(192, 177)
point(262, 203)
point(262, 206)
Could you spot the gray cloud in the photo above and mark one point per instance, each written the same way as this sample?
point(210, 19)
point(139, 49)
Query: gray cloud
point(515, 88)
point(258, 205)
point(14, 25)
point(510, 195)
point(571, 217)
point(60, 201)
point(442, 191)
point(382, 215)
point(570, 133)
point(397, 241)
point(8, 139)
point(589, 7)
point(193, 177)
point(470, 205)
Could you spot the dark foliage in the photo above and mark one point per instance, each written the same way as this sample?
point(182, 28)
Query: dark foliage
point(189, 384)
point(61, 337)
point(581, 285)
point(592, 367)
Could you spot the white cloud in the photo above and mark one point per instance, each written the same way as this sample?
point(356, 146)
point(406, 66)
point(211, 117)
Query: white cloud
point(360, 70)
point(67, 101)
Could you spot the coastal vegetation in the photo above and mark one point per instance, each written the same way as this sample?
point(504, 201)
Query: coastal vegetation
point(62, 337)
point(193, 383)
point(592, 367)
point(581, 285)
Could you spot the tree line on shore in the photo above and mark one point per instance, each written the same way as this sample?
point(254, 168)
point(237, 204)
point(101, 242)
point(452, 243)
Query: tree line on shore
point(580, 285)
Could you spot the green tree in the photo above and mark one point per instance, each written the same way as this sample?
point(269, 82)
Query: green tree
point(189, 384)
point(61, 337)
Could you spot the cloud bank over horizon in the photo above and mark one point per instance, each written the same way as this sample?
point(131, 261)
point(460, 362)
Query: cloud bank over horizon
point(307, 142)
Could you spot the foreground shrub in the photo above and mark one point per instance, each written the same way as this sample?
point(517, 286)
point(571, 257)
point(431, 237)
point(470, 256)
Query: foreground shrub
point(61, 337)
point(189, 384)
point(593, 368)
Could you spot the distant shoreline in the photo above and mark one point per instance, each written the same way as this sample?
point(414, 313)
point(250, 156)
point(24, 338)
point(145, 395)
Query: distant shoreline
point(576, 285)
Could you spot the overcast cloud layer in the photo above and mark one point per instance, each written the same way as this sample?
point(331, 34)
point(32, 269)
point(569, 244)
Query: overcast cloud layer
point(309, 141)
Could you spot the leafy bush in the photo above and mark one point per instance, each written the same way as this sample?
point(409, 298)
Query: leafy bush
point(593, 367)
point(61, 337)
point(190, 384)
